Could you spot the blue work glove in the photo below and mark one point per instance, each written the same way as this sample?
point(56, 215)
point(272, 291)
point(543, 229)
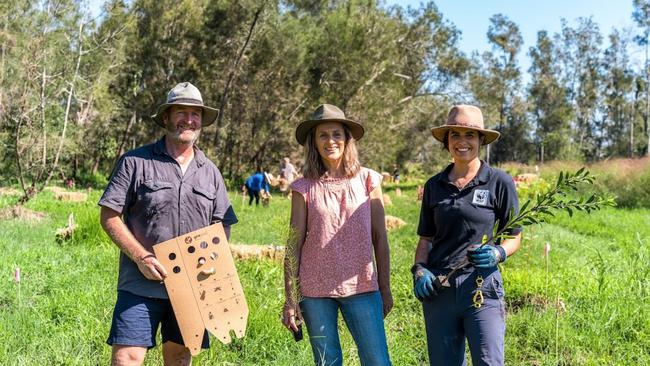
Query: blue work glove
point(423, 282)
point(486, 256)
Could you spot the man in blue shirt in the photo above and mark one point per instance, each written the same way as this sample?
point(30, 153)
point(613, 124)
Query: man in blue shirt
point(254, 184)
point(158, 192)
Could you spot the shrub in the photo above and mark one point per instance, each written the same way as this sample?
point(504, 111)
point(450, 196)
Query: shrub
point(627, 179)
point(97, 180)
point(530, 190)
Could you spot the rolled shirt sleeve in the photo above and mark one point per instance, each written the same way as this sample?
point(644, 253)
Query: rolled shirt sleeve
point(119, 186)
point(427, 224)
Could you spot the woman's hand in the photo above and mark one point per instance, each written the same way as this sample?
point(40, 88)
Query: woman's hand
point(291, 316)
point(387, 300)
point(486, 256)
point(423, 282)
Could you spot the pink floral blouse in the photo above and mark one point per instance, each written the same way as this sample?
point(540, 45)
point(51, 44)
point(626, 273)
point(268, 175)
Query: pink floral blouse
point(337, 258)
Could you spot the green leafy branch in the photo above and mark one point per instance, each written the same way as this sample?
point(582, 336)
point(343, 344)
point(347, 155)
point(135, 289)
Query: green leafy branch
point(544, 204)
point(537, 210)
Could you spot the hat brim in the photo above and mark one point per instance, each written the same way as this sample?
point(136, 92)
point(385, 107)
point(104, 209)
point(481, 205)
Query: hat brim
point(440, 132)
point(209, 114)
point(302, 131)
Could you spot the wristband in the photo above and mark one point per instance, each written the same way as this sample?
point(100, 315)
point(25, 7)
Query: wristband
point(417, 266)
point(147, 256)
point(502, 253)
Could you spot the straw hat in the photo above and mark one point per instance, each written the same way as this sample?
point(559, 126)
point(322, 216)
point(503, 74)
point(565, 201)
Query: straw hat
point(465, 116)
point(186, 94)
point(327, 113)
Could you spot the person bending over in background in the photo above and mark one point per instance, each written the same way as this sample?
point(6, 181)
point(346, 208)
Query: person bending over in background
point(158, 192)
point(254, 185)
point(459, 206)
point(337, 221)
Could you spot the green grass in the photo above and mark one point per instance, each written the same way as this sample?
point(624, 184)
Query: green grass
point(592, 306)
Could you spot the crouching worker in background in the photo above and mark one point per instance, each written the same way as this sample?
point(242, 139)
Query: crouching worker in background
point(158, 192)
point(459, 206)
point(337, 221)
point(255, 184)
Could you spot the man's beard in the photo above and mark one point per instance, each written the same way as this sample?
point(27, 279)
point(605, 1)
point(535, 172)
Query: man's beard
point(182, 136)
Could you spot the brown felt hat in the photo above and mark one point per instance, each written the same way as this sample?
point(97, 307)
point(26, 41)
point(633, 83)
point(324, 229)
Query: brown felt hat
point(465, 116)
point(327, 113)
point(186, 94)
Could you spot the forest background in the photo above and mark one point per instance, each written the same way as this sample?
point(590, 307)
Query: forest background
point(76, 92)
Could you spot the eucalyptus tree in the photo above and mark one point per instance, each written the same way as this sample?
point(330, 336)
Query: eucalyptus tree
point(430, 78)
point(15, 26)
point(548, 104)
point(579, 55)
point(641, 15)
point(109, 117)
point(495, 82)
point(45, 90)
point(616, 128)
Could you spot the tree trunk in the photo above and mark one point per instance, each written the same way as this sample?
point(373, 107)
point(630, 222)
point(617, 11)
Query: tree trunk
point(19, 164)
point(231, 77)
point(125, 136)
point(647, 94)
point(66, 117)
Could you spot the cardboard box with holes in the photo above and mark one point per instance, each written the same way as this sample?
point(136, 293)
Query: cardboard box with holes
point(203, 286)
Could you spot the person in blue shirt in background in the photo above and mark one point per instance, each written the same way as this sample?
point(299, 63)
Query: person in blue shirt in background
point(254, 184)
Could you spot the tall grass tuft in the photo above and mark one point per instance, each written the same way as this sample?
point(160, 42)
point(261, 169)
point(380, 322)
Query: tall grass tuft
point(627, 179)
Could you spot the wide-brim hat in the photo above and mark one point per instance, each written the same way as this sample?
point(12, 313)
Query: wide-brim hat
point(186, 94)
point(327, 113)
point(465, 116)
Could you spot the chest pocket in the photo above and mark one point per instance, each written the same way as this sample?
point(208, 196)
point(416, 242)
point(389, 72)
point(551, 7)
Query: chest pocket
point(203, 199)
point(156, 197)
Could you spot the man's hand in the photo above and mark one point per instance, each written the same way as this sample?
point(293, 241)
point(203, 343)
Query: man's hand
point(423, 279)
point(486, 256)
point(151, 268)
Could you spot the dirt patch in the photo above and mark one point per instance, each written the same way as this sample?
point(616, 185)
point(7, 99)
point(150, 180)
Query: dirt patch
point(393, 222)
point(537, 302)
point(243, 251)
point(7, 191)
point(71, 196)
point(21, 213)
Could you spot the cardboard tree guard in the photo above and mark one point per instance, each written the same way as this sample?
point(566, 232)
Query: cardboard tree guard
point(203, 286)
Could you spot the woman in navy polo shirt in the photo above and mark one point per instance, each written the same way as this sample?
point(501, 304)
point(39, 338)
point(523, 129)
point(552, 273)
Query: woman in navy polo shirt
point(460, 205)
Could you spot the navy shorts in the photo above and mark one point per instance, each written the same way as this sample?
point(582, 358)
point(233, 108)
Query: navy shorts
point(136, 320)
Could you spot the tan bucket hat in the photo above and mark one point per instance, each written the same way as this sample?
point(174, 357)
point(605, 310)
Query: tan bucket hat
point(465, 116)
point(327, 113)
point(186, 94)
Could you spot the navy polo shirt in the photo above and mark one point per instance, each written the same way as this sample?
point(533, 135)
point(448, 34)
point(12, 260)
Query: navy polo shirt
point(158, 202)
point(456, 218)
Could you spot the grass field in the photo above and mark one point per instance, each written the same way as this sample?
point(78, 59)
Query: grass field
point(589, 304)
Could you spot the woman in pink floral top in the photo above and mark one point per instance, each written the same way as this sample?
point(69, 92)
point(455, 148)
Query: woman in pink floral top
point(339, 251)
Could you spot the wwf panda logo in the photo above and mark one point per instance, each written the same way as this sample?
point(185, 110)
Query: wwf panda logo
point(481, 197)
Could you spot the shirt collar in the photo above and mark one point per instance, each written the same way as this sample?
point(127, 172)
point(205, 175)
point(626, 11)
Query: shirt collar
point(160, 149)
point(482, 176)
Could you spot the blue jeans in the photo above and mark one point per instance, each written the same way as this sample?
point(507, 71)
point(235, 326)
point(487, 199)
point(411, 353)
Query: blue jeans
point(363, 314)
